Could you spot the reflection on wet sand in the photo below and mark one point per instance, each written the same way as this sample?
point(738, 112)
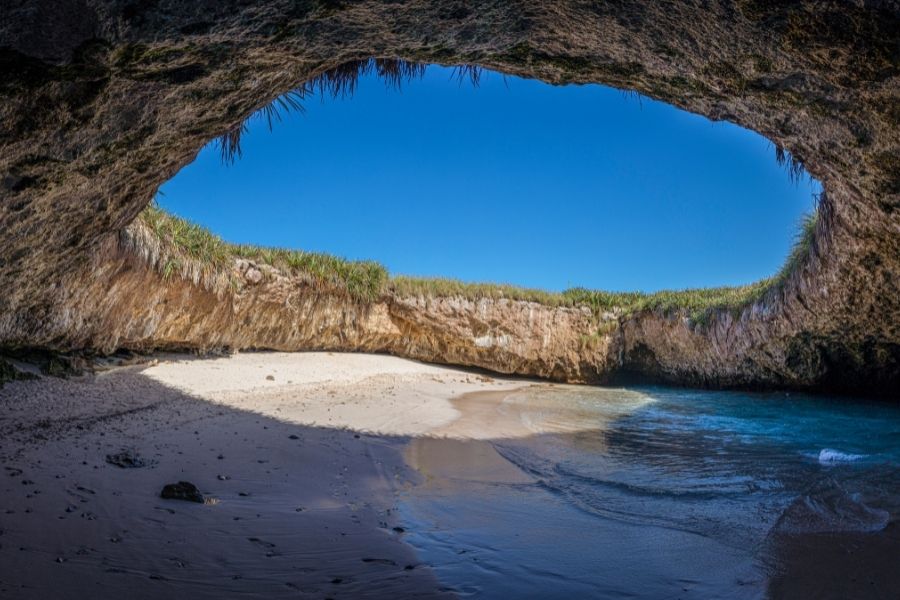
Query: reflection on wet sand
point(559, 491)
point(461, 450)
point(523, 491)
point(537, 409)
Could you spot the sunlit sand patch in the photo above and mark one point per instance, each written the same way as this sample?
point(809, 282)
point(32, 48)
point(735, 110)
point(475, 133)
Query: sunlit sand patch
point(451, 415)
point(392, 396)
point(375, 394)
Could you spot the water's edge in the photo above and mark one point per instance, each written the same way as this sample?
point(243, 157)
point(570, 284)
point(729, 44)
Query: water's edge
point(655, 491)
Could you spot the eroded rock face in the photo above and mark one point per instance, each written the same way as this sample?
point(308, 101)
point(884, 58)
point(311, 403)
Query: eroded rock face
point(120, 301)
point(101, 102)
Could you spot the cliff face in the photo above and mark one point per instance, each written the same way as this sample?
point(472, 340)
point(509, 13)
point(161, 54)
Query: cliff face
point(102, 101)
point(120, 301)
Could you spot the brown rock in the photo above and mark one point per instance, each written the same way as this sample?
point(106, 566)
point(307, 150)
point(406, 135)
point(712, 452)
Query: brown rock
point(101, 103)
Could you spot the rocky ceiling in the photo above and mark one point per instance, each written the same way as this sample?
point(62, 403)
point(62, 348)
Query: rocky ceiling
point(101, 101)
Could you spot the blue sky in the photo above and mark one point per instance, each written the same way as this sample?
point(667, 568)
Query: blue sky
point(513, 181)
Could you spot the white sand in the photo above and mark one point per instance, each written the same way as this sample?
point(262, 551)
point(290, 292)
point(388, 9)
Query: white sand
point(300, 451)
point(369, 393)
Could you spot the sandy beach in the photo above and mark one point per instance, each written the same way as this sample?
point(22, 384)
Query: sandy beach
point(298, 455)
point(329, 475)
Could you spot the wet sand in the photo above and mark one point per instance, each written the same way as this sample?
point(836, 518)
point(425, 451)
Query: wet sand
point(352, 476)
point(864, 566)
point(492, 529)
point(300, 457)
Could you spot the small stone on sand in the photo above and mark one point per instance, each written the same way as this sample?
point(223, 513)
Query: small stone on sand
point(126, 459)
point(183, 490)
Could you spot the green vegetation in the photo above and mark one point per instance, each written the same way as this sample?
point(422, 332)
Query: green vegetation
point(196, 253)
point(803, 243)
point(440, 287)
point(193, 252)
point(699, 304)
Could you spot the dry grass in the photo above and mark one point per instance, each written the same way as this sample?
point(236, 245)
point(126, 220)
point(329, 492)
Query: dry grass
point(177, 247)
point(698, 304)
point(794, 165)
point(339, 82)
point(440, 287)
point(197, 254)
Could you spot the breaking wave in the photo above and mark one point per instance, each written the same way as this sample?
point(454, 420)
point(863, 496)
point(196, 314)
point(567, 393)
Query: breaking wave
point(828, 456)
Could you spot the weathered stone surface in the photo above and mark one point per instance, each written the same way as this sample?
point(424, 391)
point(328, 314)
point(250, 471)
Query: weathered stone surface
point(127, 459)
point(183, 490)
point(102, 101)
point(121, 301)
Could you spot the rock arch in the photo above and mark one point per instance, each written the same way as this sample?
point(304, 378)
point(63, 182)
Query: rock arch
point(104, 101)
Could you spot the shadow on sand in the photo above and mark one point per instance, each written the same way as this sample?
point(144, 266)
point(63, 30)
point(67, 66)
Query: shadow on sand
point(319, 512)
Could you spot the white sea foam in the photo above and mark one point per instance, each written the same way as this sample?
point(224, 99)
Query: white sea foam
point(828, 456)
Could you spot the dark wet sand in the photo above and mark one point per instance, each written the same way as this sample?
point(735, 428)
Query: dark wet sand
point(864, 566)
point(297, 512)
point(490, 530)
point(324, 512)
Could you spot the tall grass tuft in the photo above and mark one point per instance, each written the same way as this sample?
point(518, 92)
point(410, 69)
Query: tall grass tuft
point(794, 165)
point(802, 247)
point(338, 82)
point(230, 143)
point(468, 73)
point(291, 101)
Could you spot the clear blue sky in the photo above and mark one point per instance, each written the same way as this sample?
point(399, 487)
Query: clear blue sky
point(514, 181)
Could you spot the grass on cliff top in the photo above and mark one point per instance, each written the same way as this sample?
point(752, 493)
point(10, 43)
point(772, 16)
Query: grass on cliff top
point(183, 243)
point(695, 301)
point(366, 281)
point(698, 303)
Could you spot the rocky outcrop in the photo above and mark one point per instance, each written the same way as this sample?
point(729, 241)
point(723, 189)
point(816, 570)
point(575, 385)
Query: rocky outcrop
point(120, 301)
point(102, 101)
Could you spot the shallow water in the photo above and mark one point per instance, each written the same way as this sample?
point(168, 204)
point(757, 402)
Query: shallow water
point(664, 493)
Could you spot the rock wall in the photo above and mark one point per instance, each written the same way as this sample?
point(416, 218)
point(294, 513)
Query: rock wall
point(102, 101)
point(120, 301)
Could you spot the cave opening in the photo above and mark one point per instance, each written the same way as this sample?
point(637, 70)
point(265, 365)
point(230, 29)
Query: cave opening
point(433, 171)
point(378, 425)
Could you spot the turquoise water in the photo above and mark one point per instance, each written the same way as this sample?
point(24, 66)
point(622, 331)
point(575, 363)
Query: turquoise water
point(692, 494)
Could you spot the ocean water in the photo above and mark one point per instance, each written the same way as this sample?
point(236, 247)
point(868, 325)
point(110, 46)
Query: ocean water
point(667, 493)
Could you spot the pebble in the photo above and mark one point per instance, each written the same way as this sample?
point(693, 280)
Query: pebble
point(183, 490)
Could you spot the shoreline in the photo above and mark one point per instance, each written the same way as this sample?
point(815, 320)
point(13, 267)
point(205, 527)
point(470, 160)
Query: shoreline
point(300, 454)
point(367, 476)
